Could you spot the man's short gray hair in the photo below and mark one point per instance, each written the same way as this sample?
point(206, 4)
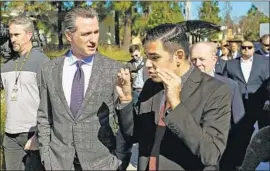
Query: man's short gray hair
point(23, 20)
point(70, 17)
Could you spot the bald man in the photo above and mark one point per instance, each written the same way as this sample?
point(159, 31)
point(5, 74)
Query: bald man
point(203, 55)
point(251, 71)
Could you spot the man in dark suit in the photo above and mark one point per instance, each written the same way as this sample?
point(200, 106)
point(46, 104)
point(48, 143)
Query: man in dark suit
point(235, 50)
point(265, 46)
point(203, 56)
point(77, 125)
point(251, 72)
point(220, 67)
point(182, 118)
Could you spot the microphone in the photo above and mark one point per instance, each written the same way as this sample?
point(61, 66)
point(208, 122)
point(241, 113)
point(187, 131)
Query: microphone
point(258, 150)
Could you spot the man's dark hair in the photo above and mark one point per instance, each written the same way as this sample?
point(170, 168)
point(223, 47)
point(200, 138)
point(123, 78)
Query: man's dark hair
point(133, 48)
point(266, 36)
point(172, 36)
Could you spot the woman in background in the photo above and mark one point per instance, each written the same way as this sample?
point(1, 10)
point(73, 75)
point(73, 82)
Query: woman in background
point(226, 52)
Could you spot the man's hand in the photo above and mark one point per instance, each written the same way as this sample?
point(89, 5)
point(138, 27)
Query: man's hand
point(32, 144)
point(172, 83)
point(123, 86)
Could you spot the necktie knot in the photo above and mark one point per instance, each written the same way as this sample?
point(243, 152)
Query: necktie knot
point(79, 64)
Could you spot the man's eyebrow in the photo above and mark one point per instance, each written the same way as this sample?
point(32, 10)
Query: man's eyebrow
point(152, 54)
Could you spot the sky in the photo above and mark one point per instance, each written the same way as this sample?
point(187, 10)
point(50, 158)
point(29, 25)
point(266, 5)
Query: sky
point(238, 8)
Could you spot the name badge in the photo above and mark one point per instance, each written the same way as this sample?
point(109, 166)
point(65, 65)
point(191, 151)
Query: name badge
point(14, 93)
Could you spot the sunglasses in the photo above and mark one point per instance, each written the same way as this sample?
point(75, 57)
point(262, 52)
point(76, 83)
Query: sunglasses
point(245, 47)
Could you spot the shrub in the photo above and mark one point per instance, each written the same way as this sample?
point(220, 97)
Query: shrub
point(111, 51)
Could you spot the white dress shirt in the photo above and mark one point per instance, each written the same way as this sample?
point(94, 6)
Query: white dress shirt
point(234, 54)
point(246, 66)
point(69, 70)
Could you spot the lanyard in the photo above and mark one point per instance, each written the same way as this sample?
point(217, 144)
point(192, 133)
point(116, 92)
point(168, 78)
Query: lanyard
point(16, 66)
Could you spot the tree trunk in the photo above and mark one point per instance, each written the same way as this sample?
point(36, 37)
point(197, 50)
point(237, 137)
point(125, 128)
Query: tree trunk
point(127, 30)
point(59, 23)
point(116, 28)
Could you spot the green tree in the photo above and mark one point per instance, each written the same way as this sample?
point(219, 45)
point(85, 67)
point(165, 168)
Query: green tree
point(156, 13)
point(125, 9)
point(209, 12)
point(164, 12)
point(250, 24)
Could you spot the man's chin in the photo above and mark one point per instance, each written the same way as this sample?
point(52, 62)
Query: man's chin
point(156, 79)
point(15, 49)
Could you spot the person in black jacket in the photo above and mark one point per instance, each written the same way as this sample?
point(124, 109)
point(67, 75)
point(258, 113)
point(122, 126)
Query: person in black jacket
point(265, 46)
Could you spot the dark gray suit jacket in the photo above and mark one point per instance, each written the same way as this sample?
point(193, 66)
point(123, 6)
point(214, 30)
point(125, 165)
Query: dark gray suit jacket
point(220, 67)
point(253, 91)
point(92, 133)
point(238, 110)
point(196, 130)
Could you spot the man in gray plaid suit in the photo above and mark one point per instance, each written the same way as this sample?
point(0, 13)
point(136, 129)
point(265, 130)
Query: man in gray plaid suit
point(77, 127)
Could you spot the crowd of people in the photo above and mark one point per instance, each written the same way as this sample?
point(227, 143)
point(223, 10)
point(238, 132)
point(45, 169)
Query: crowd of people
point(188, 107)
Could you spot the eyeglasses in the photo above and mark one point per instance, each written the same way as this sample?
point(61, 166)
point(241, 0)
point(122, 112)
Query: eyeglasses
point(245, 47)
point(267, 45)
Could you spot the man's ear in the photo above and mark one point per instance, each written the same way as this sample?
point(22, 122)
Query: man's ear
point(68, 35)
point(30, 35)
point(179, 56)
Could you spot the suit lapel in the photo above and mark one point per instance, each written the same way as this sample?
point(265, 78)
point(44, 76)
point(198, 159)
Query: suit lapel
point(190, 85)
point(93, 82)
point(239, 71)
point(254, 68)
point(58, 69)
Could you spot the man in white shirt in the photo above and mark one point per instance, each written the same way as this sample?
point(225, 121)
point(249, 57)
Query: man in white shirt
point(251, 71)
point(77, 124)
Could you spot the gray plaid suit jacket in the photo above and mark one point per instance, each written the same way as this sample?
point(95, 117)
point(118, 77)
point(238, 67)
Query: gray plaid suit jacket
point(92, 133)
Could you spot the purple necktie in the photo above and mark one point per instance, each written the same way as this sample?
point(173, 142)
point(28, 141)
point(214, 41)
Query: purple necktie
point(77, 90)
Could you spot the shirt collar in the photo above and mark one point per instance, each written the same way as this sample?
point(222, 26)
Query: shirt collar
point(73, 59)
point(249, 60)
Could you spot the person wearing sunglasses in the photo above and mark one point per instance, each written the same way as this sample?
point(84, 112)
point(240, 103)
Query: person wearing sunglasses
point(251, 71)
point(137, 69)
point(265, 46)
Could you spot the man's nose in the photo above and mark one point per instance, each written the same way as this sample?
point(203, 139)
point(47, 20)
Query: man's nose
point(148, 63)
point(196, 62)
point(12, 38)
